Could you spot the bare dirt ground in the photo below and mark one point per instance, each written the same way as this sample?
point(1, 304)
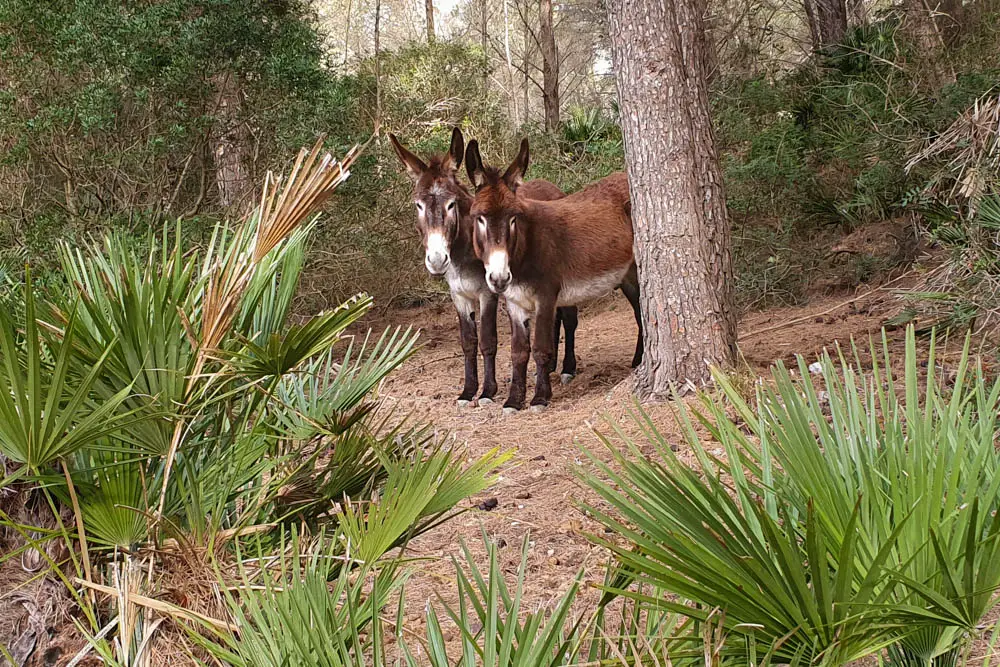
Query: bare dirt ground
point(539, 493)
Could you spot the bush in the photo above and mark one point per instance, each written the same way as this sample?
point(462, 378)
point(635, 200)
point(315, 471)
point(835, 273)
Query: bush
point(845, 517)
point(171, 401)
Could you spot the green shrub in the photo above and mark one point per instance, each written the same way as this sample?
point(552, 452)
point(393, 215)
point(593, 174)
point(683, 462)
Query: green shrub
point(846, 515)
point(173, 402)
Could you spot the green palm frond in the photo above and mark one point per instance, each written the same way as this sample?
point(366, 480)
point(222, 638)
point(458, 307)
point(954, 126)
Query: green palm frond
point(45, 412)
point(271, 357)
point(267, 302)
point(293, 614)
point(849, 513)
point(508, 635)
point(327, 397)
point(113, 500)
point(138, 309)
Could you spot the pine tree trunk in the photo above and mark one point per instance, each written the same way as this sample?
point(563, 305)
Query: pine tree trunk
point(429, 8)
point(550, 65)
point(230, 146)
point(678, 205)
point(926, 22)
point(827, 21)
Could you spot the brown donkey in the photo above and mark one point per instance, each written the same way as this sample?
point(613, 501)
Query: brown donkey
point(443, 221)
point(541, 255)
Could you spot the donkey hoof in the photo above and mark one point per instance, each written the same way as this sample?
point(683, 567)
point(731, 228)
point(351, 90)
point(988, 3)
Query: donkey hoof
point(485, 400)
point(538, 408)
point(462, 403)
point(510, 411)
point(566, 378)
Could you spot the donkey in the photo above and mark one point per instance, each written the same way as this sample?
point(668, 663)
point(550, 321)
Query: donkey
point(443, 221)
point(545, 254)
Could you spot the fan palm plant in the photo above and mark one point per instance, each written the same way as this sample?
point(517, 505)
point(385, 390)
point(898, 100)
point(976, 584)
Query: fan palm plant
point(840, 521)
point(186, 408)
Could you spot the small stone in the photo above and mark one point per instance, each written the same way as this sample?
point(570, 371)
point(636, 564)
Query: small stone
point(540, 457)
point(501, 543)
point(675, 448)
point(488, 505)
point(522, 495)
point(819, 320)
point(553, 561)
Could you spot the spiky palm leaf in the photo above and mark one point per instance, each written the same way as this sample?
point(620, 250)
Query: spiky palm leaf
point(46, 413)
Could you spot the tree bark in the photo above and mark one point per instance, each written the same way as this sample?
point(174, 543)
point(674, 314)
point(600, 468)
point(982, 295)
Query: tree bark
point(550, 65)
point(927, 21)
point(827, 22)
point(429, 8)
point(230, 146)
point(682, 238)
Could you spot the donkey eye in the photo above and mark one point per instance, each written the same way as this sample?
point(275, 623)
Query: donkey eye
point(482, 222)
point(512, 222)
point(420, 206)
point(450, 206)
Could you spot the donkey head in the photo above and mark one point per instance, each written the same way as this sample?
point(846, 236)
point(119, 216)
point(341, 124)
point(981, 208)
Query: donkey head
point(497, 235)
point(439, 199)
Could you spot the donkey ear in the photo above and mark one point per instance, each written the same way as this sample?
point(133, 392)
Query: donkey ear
point(457, 150)
point(415, 167)
point(514, 175)
point(474, 165)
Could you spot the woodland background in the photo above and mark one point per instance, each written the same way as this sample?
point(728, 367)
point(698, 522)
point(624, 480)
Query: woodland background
point(122, 116)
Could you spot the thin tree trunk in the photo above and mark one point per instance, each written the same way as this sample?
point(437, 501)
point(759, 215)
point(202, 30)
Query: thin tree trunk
point(550, 65)
point(429, 8)
point(525, 64)
point(827, 22)
point(230, 146)
point(484, 42)
point(682, 239)
point(378, 64)
point(512, 95)
point(347, 32)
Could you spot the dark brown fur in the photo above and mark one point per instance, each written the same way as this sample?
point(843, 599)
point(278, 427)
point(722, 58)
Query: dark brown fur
point(435, 187)
point(554, 249)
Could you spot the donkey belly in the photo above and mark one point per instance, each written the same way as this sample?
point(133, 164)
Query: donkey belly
point(578, 291)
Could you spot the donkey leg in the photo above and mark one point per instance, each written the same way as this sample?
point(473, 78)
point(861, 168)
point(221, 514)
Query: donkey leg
point(520, 350)
point(488, 345)
point(555, 339)
point(631, 290)
point(570, 320)
point(467, 328)
point(543, 351)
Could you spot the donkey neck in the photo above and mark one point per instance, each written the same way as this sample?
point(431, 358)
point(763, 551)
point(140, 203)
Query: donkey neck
point(536, 252)
point(461, 246)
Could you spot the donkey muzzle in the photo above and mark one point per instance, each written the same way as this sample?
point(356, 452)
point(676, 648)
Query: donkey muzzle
point(436, 255)
point(498, 275)
point(437, 263)
point(498, 284)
